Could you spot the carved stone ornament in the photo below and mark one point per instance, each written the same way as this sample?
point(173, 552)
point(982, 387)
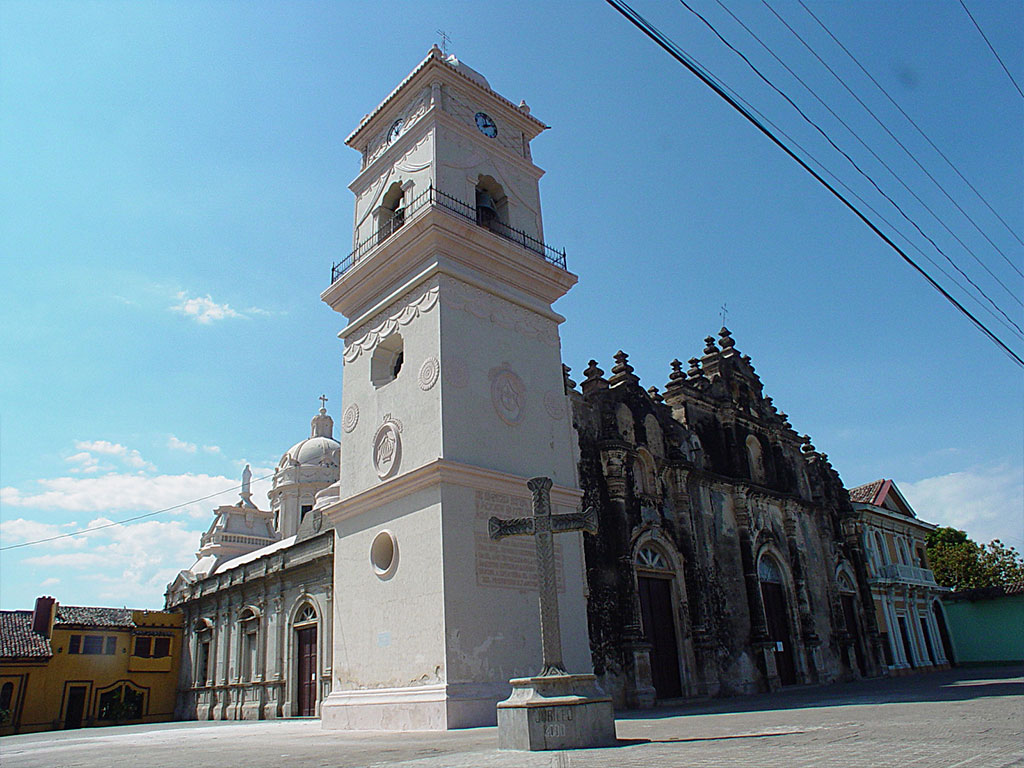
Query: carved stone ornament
point(554, 404)
point(456, 372)
point(318, 520)
point(487, 307)
point(402, 312)
point(350, 418)
point(387, 447)
point(429, 372)
point(508, 393)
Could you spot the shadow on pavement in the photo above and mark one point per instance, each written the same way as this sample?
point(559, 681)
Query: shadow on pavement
point(949, 685)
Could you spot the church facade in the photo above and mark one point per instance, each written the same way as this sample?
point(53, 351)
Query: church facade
point(728, 560)
point(371, 593)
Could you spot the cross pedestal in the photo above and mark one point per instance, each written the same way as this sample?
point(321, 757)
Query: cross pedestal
point(555, 709)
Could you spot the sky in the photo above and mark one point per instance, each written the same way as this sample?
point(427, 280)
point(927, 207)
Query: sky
point(173, 191)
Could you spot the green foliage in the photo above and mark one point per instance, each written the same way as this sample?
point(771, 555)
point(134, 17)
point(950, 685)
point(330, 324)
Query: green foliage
point(5, 716)
point(960, 563)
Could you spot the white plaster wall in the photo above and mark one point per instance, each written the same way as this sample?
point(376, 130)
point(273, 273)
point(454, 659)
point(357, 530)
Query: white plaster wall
point(390, 632)
point(474, 432)
point(493, 632)
point(417, 409)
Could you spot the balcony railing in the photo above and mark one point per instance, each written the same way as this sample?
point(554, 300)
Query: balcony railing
point(431, 197)
point(910, 574)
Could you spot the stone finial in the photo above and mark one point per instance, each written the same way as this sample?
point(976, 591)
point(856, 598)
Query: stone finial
point(806, 446)
point(709, 345)
point(622, 370)
point(677, 371)
point(726, 339)
point(592, 371)
point(695, 371)
point(655, 395)
point(524, 107)
point(785, 420)
point(594, 380)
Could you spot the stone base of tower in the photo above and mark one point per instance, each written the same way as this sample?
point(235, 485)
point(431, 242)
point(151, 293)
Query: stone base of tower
point(417, 708)
point(556, 712)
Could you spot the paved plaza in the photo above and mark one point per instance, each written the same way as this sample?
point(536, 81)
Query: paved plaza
point(963, 718)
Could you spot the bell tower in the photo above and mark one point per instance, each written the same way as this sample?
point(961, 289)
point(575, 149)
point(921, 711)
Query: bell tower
point(453, 395)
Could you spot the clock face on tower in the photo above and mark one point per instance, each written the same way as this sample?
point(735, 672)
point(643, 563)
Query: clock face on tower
point(486, 125)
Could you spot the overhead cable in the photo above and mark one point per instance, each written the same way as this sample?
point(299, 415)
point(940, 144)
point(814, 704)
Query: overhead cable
point(985, 38)
point(675, 52)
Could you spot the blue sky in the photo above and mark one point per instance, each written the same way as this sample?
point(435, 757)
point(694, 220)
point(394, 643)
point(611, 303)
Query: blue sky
point(173, 190)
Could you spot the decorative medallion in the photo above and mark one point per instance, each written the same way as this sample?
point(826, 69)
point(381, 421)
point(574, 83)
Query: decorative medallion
point(387, 447)
point(508, 393)
point(429, 372)
point(318, 520)
point(554, 404)
point(456, 372)
point(350, 418)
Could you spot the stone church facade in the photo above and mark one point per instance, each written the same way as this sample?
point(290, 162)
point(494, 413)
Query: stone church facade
point(727, 542)
point(371, 593)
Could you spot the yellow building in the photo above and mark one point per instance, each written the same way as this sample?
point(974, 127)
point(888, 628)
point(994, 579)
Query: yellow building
point(65, 666)
point(908, 608)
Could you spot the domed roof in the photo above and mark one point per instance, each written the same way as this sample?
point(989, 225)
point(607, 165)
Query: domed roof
point(320, 449)
point(316, 451)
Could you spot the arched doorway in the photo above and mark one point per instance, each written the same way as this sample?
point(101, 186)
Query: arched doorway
point(776, 614)
point(848, 600)
point(940, 622)
point(305, 662)
point(654, 578)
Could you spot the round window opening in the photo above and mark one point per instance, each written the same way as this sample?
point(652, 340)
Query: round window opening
point(383, 553)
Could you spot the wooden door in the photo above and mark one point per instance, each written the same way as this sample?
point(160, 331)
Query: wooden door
point(660, 631)
point(306, 671)
point(76, 707)
point(778, 630)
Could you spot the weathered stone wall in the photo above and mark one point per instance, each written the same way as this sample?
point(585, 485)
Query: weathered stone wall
point(710, 505)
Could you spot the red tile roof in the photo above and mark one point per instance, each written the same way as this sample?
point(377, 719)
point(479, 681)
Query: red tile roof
point(868, 493)
point(17, 640)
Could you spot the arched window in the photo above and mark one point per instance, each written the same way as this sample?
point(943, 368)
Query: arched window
point(248, 627)
point(901, 550)
point(650, 559)
point(624, 423)
point(883, 551)
point(768, 570)
point(387, 360)
point(391, 214)
point(491, 204)
point(6, 694)
point(845, 585)
point(644, 474)
point(306, 615)
point(204, 636)
point(755, 458)
point(655, 441)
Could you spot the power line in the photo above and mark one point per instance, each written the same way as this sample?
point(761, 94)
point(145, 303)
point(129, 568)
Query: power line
point(985, 38)
point(675, 52)
point(127, 520)
point(884, 127)
point(923, 135)
point(856, 166)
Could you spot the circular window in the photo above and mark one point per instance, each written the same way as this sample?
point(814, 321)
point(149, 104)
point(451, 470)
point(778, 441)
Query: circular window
point(384, 554)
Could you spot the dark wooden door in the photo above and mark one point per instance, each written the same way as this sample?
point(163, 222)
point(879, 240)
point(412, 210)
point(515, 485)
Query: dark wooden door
point(853, 627)
point(906, 640)
point(778, 630)
point(306, 697)
point(76, 707)
point(660, 632)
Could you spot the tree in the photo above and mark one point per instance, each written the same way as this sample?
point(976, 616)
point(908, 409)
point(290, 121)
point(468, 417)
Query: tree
point(960, 563)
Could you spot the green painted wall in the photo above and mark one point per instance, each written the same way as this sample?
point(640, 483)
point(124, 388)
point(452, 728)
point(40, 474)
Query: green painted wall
point(986, 630)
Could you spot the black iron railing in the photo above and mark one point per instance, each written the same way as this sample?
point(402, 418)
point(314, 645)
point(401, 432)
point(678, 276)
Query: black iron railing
point(435, 197)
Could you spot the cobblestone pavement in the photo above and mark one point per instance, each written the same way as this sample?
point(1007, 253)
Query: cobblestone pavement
point(964, 718)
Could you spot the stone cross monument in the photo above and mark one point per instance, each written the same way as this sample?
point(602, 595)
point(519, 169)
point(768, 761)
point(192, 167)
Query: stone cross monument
point(555, 710)
point(542, 526)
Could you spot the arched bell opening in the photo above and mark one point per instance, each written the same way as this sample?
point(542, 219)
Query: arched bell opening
point(491, 204)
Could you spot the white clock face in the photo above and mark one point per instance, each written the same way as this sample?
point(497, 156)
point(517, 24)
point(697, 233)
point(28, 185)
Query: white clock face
point(486, 125)
point(396, 128)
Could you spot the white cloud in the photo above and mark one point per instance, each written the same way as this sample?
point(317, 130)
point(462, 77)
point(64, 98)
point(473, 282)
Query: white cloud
point(180, 445)
point(212, 449)
point(49, 582)
point(20, 530)
point(128, 456)
point(203, 309)
point(987, 502)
